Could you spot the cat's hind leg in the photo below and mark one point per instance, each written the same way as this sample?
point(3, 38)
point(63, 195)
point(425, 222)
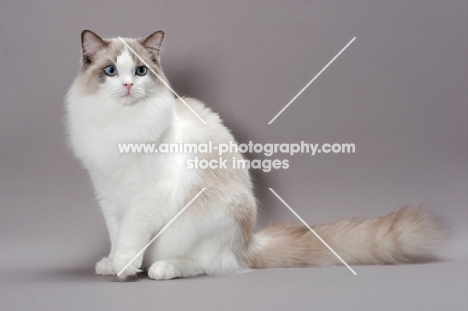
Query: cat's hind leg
point(167, 269)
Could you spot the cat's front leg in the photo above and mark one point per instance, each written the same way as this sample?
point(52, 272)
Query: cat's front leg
point(105, 265)
point(134, 233)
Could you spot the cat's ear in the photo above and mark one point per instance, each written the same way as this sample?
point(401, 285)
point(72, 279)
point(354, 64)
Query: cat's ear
point(153, 44)
point(91, 44)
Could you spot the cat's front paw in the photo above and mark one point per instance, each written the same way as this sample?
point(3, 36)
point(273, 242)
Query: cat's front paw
point(122, 270)
point(105, 267)
point(163, 270)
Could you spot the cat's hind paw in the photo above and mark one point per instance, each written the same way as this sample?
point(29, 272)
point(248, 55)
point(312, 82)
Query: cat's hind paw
point(163, 270)
point(105, 267)
point(168, 269)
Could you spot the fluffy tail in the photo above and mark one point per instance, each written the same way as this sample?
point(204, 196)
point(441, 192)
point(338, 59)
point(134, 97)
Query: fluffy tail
point(408, 235)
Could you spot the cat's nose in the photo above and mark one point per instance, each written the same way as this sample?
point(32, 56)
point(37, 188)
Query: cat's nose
point(128, 86)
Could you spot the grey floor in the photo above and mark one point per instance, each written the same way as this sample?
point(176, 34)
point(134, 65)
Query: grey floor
point(437, 285)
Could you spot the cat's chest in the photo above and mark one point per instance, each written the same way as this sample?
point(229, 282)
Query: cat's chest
point(110, 147)
point(133, 177)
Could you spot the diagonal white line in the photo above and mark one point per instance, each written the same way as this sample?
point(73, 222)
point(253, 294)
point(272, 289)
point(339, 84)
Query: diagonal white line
point(313, 231)
point(162, 80)
point(161, 231)
point(310, 82)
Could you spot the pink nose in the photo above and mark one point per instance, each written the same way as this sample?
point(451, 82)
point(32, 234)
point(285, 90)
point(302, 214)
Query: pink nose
point(128, 86)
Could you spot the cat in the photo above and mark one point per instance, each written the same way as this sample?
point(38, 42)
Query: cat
point(117, 99)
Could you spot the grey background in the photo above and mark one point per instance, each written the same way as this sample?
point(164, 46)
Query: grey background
point(399, 93)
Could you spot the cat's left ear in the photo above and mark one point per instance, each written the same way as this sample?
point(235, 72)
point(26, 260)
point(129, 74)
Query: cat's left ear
point(153, 44)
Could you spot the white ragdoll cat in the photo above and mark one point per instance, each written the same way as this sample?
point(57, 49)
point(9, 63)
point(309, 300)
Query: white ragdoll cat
point(117, 99)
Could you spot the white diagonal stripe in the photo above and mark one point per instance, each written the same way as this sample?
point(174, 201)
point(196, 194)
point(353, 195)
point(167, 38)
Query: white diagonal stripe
point(162, 80)
point(310, 82)
point(313, 231)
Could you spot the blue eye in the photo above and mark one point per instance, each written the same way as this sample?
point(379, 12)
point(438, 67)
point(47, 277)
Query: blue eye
point(110, 71)
point(140, 71)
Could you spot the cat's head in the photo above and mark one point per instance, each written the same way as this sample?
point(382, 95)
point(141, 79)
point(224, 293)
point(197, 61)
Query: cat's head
point(113, 69)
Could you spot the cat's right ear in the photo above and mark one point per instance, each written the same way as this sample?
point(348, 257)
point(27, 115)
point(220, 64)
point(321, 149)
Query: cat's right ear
point(91, 44)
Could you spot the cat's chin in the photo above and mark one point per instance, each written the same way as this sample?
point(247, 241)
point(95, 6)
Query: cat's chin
point(128, 100)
